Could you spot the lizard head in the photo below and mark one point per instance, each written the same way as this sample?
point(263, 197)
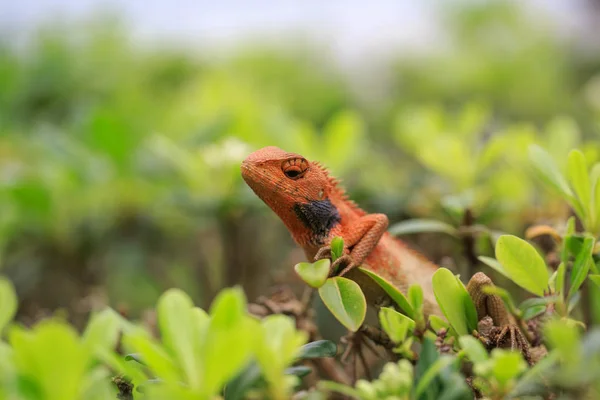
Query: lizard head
point(292, 186)
point(282, 178)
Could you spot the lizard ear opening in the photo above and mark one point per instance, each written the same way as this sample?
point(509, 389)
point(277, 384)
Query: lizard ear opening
point(294, 168)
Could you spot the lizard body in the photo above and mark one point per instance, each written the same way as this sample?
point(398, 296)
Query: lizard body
point(315, 209)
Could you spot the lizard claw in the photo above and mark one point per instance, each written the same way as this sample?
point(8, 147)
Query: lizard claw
point(516, 340)
point(508, 336)
point(345, 260)
point(324, 252)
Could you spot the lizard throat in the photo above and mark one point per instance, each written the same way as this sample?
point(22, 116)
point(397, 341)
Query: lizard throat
point(319, 217)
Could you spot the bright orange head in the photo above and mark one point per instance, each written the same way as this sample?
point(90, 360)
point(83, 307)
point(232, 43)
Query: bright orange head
point(296, 189)
point(282, 179)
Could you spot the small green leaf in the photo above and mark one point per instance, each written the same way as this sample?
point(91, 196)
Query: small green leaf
point(346, 301)
point(279, 346)
point(422, 225)
point(415, 297)
point(438, 366)
point(507, 365)
point(137, 357)
point(548, 170)
point(300, 371)
point(560, 278)
point(229, 323)
point(581, 266)
point(438, 323)
point(523, 263)
point(331, 386)
point(579, 177)
point(473, 348)
point(174, 312)
point(392, 291)
point(237, 388)
point(533, 312)
point(318, 349)
point(570, 229)
point(494, 264)
point(537, 301)
point(396, 325)
point(596, 196)
point(8, 302)
point(337, 248)
point(102, 331)
point(595, 279)
point(564, 337)
point(454, 301)
point(314, 274)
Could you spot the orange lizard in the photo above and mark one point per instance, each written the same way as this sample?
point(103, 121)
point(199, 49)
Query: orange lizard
point(315, 209)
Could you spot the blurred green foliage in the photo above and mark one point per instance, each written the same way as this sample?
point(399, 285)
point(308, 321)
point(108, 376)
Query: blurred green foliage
point(119, 164)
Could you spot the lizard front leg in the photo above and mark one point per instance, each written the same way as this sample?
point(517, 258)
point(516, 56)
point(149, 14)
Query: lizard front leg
point(360, 238)
point(502, 327)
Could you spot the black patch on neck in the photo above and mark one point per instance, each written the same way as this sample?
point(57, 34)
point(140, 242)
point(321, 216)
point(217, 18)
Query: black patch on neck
point(320, 216)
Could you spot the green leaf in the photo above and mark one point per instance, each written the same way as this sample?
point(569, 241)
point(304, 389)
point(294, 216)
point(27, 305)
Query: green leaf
point(438, 323)
point(229, 323)
point(346, 301)
point(391, 291)
point(533, 312)
point(300, 371)
point(318, 349)
point(579, 178)
point(560, 278)
point(337, 248)
point(548, 170)
point(174, 312)
point(396, 325)
point(422, 225)
point(454, 301)
point(595, 178)
point(314, 274)
point(571, 224)
point(595, 279)
point(433, 371)
point(8, 302)
point(473, 348)
point(158, 360)
point(137, 357)
point(249, 377)
point(415, 297)
point(537, 301)
point(523, 263)
point(331, 386)
point(53, 356)
point(494, 264)
point(102, 331)
point(564, 337)
point(507, 365)
point(581, 266)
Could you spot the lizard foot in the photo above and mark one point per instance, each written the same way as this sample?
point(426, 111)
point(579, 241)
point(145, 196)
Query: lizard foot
point(345, 263)
point(323, 252)
point(510, 336)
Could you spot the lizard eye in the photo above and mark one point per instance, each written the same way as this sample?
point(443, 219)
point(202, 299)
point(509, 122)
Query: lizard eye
point(294, 168)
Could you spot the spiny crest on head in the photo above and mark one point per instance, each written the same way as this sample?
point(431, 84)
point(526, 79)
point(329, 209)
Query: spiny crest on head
point(338, 190)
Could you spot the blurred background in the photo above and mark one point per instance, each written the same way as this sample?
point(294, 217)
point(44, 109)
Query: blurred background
point(123, 124)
